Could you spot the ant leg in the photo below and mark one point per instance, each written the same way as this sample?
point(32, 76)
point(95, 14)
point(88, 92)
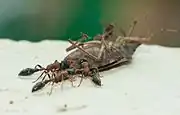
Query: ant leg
point(49, 76)
point(39, 77)
point(62, 82)
point(72, 81)
point(51, 88)
point(72, 84)
point(81, 80)
point(45, 76)
point(53, 76)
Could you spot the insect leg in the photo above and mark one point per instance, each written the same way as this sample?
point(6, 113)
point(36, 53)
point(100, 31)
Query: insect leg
point(52, 77)
point(62, 82)
point(39, 77)
point(51, 88)
point(104, 43)
point(45, 76)
point(82, 49)
point(101, 51)
point(132, 28)
point(72, 81)
point(81, 80)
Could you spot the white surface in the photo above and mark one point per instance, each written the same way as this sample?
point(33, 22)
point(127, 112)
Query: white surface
point(149, 86)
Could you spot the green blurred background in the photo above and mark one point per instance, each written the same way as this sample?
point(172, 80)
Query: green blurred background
point(35, 20)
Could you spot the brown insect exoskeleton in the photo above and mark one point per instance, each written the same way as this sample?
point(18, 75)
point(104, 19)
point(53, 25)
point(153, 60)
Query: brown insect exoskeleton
point(103, 53)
